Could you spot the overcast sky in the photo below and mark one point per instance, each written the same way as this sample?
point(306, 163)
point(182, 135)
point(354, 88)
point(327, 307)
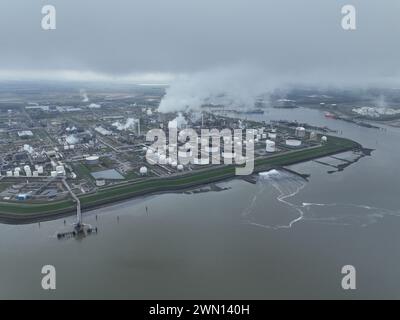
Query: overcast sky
point(154, 40)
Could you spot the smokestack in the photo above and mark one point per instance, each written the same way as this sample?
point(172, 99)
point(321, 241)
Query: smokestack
point(139, 127)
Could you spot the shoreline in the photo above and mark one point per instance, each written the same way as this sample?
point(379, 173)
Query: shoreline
point(119, 194)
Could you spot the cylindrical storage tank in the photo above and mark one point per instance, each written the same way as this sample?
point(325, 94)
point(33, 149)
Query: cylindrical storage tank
point(9, 173)
point(300, 132)
point(174, 164)
point(144, 149)
point(270, 146)
point(264, 135)
point(180, 167)
point(143, 171)
point(40, 169)
point(293, 143)
point(16, 173)
point(324, 139)
point(35, 174)
point(92, 160)
point(53, 173)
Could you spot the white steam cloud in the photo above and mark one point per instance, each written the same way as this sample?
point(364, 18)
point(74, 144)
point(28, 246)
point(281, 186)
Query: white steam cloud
point(237, 87)
point(84, 95)
point(129, 124)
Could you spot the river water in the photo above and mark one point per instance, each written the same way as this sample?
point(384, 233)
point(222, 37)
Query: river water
point(284, 237)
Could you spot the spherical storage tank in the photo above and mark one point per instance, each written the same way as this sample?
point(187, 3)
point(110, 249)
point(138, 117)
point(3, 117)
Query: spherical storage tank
point(270, 146)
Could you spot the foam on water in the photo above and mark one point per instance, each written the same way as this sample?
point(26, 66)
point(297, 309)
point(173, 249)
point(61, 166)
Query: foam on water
point(288, 185)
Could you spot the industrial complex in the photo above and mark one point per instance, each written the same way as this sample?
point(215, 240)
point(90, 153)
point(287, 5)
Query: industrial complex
point(53, 155)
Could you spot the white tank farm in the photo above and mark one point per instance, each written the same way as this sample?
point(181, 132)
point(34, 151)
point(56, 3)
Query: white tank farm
point(270, 146)
point(293, 143)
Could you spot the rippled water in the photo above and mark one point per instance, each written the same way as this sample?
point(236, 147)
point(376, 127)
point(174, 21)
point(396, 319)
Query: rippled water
point(284, 237)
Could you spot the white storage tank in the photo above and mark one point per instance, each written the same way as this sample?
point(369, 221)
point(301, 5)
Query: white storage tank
point(270, 146)
point(9, 173)
point(53, 173)
point(293, 143)
point(324, 139)
point(180, 167)
point(92, 160)
point(300, 132)
point(143, 171)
